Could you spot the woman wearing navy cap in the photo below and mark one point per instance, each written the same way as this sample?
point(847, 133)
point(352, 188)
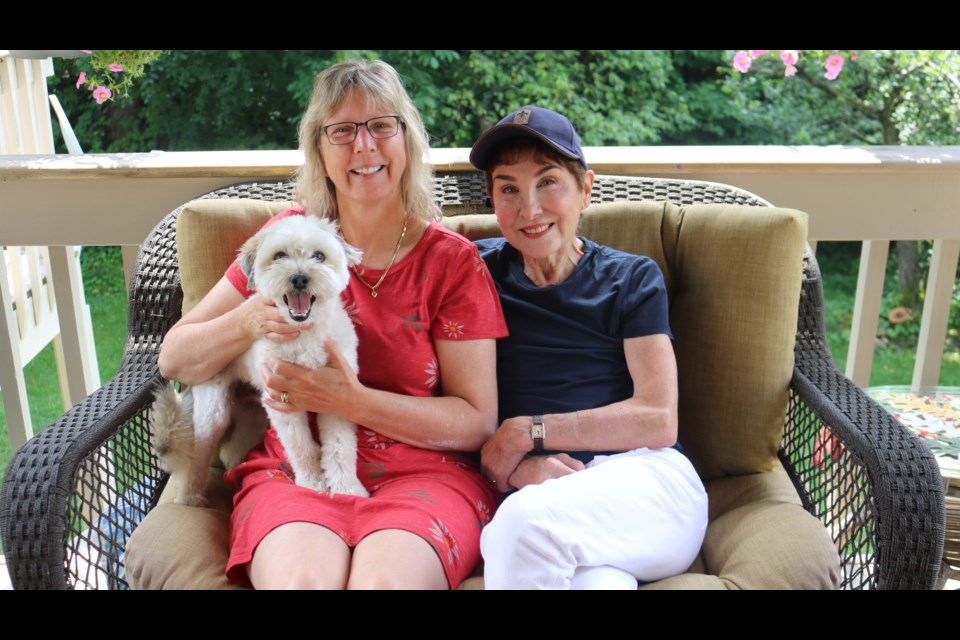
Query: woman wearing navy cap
point(587, 384)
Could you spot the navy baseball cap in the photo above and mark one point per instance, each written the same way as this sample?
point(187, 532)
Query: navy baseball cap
point(551, 128)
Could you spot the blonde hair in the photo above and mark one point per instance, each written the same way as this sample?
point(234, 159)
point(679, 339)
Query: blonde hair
point(382, 87)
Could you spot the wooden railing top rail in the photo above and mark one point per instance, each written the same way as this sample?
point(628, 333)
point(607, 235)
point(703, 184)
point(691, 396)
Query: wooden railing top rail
point(612, 160)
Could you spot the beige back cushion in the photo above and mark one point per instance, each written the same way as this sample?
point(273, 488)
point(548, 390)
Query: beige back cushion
point(733, 274)
point(209, 234)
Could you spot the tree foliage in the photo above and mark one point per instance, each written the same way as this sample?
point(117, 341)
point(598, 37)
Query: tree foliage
point(883, 97)
point(240, 99)
point(243, 99)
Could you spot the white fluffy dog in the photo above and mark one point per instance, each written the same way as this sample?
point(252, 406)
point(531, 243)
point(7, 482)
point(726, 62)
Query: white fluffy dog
point(301, 263)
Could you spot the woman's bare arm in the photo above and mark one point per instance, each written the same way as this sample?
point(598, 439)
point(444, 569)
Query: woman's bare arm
point(647, 419)
point(215, 332)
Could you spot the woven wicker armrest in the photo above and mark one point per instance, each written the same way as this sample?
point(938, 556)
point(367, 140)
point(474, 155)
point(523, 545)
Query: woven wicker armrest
point(73, 493)
point(874, 484)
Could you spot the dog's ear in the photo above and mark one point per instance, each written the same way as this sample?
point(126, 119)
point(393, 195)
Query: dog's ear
point(248, 255)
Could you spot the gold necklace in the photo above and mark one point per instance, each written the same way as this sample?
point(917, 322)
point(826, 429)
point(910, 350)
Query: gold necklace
point(373, 288)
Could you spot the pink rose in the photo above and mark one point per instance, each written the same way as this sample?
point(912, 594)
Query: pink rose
point(116, 67)
point(741, 61)
point(81, 78)
point(101, 94)
point(756, 53)
point(790, 71)
point(833, 65)
point(790, 57)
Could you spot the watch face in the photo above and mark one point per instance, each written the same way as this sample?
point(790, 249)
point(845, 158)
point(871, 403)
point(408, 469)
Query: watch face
point(537, 432)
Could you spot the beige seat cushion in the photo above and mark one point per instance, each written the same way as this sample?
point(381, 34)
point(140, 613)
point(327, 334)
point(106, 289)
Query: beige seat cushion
point(759, 537)
point(180, 547)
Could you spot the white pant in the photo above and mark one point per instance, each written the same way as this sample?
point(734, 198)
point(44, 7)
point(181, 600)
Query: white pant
point(639, 515)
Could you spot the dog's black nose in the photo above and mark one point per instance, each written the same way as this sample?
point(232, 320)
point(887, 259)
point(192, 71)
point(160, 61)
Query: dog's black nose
point(300, 281)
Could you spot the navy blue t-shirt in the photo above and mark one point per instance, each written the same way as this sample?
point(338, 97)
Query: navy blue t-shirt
point(565, 349)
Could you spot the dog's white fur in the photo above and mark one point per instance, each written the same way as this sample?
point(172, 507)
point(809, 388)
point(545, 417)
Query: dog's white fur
point(301, 263)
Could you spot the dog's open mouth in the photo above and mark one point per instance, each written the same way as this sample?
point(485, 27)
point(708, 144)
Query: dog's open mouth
point(299, 305)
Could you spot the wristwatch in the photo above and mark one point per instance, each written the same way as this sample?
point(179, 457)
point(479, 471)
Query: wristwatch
point(538, 431)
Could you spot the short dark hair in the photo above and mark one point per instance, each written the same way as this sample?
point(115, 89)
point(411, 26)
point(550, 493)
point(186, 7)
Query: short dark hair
point(512, 151)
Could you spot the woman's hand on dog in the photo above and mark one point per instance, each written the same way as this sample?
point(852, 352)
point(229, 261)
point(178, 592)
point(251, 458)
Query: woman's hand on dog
point(329, 389)
point(262, 319)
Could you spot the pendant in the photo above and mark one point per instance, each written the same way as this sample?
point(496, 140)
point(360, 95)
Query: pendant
point(373, 293)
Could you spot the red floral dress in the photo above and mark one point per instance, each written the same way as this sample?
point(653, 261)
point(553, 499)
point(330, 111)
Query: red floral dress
point(440, 290)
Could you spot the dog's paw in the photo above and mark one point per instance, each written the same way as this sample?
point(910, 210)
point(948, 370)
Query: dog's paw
point(311, 481)
point(351, 487)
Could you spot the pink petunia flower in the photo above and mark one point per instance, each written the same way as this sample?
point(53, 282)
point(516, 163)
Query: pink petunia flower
point(101, 94)
point(833, 65)
point(81, 78)
point(742, 61)
point(117, 67)
point(756, 53)
point(826, 447)
point(790, 71)
point(790, 57)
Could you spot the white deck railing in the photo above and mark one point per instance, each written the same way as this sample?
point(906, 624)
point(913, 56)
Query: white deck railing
point(29, 317)
point(874, 194)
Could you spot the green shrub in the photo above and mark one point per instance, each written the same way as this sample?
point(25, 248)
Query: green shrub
point(102, 271)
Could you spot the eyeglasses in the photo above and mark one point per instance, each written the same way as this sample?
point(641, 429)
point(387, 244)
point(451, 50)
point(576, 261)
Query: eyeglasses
point(346, 132)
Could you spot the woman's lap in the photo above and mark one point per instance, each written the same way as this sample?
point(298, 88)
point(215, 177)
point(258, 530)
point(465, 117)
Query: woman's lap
point(435, 496)
point(644, 512)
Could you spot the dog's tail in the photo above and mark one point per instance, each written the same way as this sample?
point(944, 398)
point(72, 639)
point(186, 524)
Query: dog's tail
point(172, 430)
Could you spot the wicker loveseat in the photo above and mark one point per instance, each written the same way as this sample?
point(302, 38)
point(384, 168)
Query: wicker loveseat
point(811, 484)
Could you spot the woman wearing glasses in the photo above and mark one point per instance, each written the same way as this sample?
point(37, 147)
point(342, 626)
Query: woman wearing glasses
point(426, 315)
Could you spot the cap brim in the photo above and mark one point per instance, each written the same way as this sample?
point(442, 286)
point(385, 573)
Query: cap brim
point(485, 144)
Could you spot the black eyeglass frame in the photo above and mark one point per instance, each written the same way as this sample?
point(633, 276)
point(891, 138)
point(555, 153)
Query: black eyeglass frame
point(356, 131)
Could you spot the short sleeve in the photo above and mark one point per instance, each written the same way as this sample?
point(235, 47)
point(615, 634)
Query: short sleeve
point(645, 308)
point(470, 307)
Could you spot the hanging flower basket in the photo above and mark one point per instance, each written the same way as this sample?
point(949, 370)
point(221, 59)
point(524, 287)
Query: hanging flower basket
point(108, 74)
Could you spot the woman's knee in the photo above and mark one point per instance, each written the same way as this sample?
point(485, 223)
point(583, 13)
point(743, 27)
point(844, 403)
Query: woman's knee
point(300, 555)
point(524, 520)
point(396, 559)
point(524, 548)
point(301, 578)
